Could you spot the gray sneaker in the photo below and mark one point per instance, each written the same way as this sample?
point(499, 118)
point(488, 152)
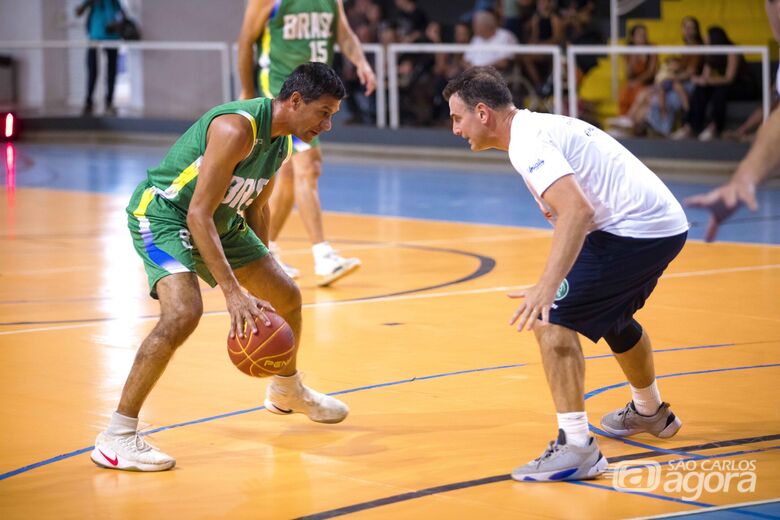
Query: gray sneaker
point(561, 461)
point(627, 421)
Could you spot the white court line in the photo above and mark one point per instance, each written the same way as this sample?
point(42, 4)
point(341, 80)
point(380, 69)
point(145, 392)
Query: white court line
point(403, 297)
point(433, 241)
point(709, 509)
point(354, 247)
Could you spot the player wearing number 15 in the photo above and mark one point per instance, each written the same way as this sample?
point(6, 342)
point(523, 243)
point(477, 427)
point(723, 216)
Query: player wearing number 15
point(286, 34)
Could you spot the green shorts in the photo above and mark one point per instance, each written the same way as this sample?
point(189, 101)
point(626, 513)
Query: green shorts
point(162, 240)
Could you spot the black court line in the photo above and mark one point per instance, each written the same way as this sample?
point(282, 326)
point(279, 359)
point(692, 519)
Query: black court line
point(486, 265)
point(394, 499)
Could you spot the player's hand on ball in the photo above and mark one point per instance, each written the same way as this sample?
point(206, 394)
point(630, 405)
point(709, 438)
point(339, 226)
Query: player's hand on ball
point(243, 309)
point(538, 301)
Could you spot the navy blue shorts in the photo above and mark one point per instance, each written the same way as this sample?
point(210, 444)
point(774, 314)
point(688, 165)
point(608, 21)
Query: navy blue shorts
point(610, 281)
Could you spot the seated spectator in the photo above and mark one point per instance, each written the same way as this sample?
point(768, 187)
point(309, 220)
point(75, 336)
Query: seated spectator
point(545, 28)
point(691, 35)
point(518, 24)
point(487, 32)
point(640, 69)
point(723, 78)
point(410, 21)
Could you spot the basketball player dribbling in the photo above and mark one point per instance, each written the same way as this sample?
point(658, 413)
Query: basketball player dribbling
point(203, 211)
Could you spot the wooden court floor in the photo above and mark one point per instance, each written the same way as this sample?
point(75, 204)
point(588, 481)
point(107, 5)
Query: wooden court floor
point(445, 397)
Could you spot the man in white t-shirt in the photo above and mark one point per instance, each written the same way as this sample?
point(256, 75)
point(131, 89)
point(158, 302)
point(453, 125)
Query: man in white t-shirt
point(762, 160)
point(487, 32)
point(616, 228)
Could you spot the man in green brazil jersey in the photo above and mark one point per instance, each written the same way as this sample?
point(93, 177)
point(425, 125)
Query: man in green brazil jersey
point(203, 211)
point(288, 33)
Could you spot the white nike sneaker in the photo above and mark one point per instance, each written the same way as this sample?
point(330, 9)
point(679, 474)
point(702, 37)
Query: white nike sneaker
point(332, 267)
point(130, 452)
point(289, 270)
point(287, 395)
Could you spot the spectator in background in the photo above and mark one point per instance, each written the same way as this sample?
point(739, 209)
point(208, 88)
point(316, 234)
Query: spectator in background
point(545, 28)
point(410, 21)
point(100, 14)
point(723, 77)
point(692, 64)
point(518, 24)
point(488, 32)
point(640, 69)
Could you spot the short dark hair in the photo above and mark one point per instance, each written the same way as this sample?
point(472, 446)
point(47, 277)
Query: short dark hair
point(312, 81)
point(480, 85)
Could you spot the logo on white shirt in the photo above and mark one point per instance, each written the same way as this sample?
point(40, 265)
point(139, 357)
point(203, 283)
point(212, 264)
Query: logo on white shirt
point(538, 164)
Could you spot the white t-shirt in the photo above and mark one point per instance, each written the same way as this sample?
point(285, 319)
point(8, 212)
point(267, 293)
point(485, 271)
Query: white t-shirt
point(489, 57)
point(629, 200)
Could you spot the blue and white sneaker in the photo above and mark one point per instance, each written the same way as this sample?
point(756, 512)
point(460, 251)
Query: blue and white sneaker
point(627, 421)
point(561, 461)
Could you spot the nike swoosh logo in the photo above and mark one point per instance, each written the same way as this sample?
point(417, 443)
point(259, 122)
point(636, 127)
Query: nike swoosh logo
point(113, 461)
point(280, 409)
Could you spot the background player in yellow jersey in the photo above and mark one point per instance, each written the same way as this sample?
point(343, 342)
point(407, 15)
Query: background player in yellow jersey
point(288, 33)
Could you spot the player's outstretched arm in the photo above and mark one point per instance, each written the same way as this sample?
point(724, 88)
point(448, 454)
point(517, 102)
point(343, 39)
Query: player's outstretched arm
point(255, 18)
point(350, 47)
point(228, 141)
point(762, 159)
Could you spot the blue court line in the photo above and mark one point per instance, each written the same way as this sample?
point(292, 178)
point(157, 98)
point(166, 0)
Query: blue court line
point(68, 455)
point(58, 458)
point(742, 509)
point(640, 493)
point(630, 442)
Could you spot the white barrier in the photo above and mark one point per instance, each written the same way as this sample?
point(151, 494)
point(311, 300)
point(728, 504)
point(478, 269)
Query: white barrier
point(220, 47)
point(430, 48)
point(575, 50)
point(379, 69)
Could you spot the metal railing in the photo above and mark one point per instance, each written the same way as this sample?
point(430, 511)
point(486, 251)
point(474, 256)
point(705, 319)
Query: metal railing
point(220, 47)
point(378, 52)
point(575, 50)
point(432, 48)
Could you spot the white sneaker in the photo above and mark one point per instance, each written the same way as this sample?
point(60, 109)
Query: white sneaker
point(287, 395)
point(289, 270)
point(708, 134)
point(333, 267)
point(130, 452)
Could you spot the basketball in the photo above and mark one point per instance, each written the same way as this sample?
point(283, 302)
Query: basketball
point(266, 353)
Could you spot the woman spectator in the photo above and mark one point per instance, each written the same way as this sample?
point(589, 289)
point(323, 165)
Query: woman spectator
point(640, 69)
point(545, 28)
point(691, 35)
point(723, 78)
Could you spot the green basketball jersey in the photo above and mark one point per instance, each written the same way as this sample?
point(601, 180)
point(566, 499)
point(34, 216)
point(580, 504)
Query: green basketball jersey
point(297, 31)
point(175, 178)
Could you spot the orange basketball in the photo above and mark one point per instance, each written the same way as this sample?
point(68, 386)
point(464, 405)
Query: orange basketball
point(266, 353)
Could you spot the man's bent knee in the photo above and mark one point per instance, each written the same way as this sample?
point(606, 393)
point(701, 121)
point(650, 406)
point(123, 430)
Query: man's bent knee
point(624, 340)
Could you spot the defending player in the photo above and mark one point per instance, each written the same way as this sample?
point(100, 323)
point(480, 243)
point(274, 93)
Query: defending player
point(616, 228)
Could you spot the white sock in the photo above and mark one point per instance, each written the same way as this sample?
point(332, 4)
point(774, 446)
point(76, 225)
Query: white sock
point(122, 425)
point(575, 425)
point(321, 250)
point(287, 381)
point(646, 400)
point(273, 247)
